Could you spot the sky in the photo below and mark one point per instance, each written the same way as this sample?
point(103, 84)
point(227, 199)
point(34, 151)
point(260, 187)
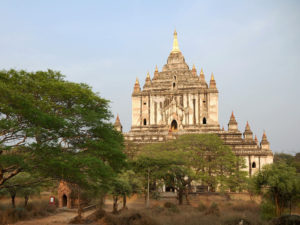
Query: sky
point(252, 47)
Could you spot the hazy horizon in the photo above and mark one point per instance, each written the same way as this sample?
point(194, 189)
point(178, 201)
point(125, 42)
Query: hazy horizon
point(252, 47)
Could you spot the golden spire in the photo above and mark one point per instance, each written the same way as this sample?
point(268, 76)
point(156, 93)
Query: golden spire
point(148, 75)
point(201, 72)
point(212, 76)
point(194, 67)
point(175, 43)
point(137, 81)
point(156, 69)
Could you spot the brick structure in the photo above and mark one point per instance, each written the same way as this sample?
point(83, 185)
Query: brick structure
point(67, 195)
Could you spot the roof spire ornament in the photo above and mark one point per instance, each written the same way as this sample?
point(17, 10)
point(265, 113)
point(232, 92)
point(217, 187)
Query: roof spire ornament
point(155, 73)
point(194, 71)
point(202, 77)
point(264, 144)
point(175, 43)
point(232, 125)
point(137, 87)
point(248, 135)
point(147, 81)
point(212, 83)
point(117, 124)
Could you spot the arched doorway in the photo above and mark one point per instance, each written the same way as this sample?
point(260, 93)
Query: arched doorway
point(65, 200)
point(174, 125)
point(170, 189)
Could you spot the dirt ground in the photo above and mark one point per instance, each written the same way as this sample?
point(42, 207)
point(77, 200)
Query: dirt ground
point(135, 202)
point(61, 218)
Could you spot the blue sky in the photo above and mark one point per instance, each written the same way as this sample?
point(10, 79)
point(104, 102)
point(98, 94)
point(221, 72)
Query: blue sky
point(252, 47)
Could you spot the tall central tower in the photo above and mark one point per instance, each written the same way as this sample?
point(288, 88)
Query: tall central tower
point(176, 100)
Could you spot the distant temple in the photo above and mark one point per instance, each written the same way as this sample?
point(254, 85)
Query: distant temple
point(178, 101)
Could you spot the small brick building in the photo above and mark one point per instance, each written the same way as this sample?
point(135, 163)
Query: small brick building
point(67, 195)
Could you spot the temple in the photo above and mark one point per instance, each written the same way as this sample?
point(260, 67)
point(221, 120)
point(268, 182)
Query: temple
point(178, 101)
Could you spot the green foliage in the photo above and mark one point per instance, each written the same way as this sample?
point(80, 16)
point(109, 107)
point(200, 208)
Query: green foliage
point(291, 160)
point(267, 210)
point(280, 185)
point(58, 129)
point(200, 157)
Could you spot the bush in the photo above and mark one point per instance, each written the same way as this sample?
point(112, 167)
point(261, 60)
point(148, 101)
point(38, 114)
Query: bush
point(213, 209)
point(155, 195)
point(33, 209)
point(201, 207)
point(286, 220)
point(267, 210)
point(172, 207)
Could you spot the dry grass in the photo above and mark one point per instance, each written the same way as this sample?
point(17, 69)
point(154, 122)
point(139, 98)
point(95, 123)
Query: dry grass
point(34, 209)
point(207, 209)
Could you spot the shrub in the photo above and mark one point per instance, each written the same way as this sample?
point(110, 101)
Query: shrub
point(213, 209)
point(201, 207)
point(172, 207)
point(155, 195)
point(33, 209)
point(267, 210)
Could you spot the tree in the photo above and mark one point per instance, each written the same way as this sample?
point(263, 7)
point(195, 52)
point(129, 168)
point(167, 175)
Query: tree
point(195, 157)
point(124, 185)
point(280, 184)
point(56, 129)
point(23, 184)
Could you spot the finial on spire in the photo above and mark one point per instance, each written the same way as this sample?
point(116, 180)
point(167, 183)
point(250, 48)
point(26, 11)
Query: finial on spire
point(148, 75)
point(156, 70)
point(201, 72)
point(194, 67)
point(137, 81)
point(118, 118)
point(212, 76)
point(232, 115)
point(175, 43)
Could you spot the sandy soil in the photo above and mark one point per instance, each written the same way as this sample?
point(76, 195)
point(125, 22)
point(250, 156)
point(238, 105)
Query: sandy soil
point(135, 202)
point(61, 218)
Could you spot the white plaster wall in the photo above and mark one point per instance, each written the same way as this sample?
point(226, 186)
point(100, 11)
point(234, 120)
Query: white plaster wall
point(135, 104)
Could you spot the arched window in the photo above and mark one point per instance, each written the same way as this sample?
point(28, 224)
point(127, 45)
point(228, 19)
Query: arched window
point(145, 122)
point(253, 165)
point(204, 120)
point(174, 85)
point(174, 125)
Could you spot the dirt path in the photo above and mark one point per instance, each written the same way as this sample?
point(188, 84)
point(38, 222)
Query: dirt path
point(61, 218)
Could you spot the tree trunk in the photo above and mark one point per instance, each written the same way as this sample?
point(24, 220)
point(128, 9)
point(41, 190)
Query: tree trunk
point(79, 211)
point(277, 207)
point(124, 201)
point(180, 196)
point(13, 201)
point(187, 196)
point(115, 205)
point(26, 200)
point(102, 201)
